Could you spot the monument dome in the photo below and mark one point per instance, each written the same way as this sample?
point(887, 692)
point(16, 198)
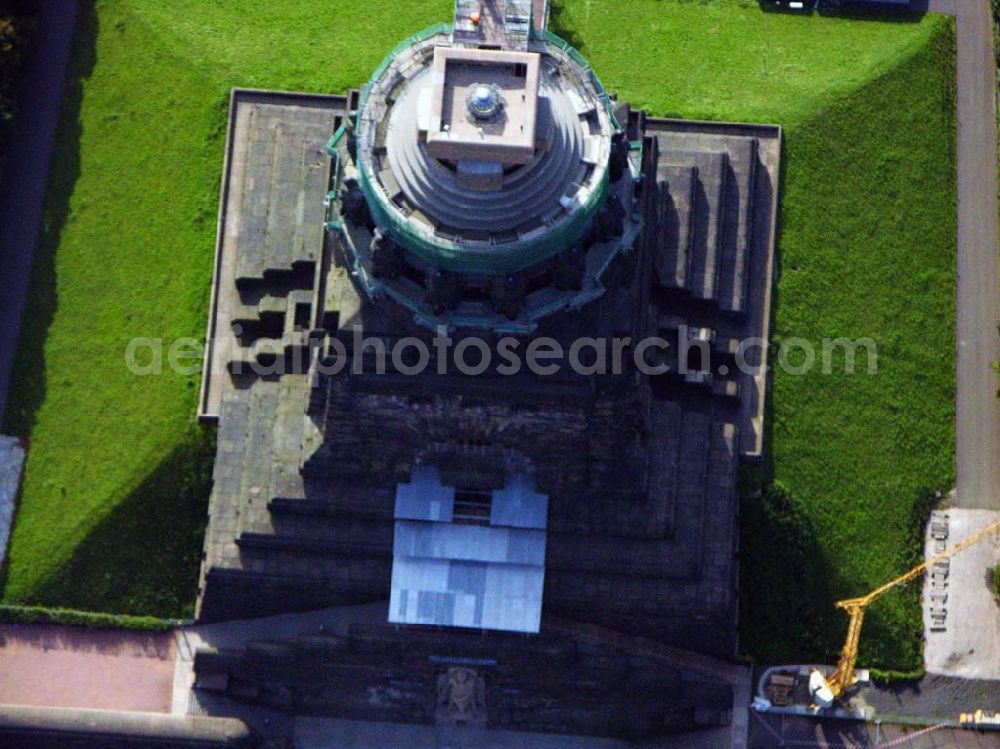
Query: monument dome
point(480, 168)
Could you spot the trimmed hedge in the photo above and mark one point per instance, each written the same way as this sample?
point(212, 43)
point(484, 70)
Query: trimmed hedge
point(885, 676)
point(74, 618)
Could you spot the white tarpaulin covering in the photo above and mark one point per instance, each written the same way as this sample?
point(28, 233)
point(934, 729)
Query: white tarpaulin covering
point(459, 575)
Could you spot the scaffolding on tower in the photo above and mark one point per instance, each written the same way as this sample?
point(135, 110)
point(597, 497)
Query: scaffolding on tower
point(508, 24)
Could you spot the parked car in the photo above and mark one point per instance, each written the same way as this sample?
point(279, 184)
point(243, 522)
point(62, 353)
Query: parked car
point(806, 6)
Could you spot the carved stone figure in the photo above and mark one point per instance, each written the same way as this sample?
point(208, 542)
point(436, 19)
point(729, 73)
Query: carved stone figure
point(461, 697)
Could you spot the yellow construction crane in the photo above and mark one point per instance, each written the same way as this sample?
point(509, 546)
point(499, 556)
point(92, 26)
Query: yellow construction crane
point(829, 688)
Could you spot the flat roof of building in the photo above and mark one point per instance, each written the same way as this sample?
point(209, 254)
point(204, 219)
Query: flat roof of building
point(455, 133)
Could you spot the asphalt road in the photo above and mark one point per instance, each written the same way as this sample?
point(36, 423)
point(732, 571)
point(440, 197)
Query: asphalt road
point(977, 406)
point(22, 193)
point(772, 731)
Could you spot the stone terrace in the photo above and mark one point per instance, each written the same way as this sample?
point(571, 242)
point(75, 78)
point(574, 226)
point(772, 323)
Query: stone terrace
point(270, 232)
point(641, 473)
point(712, 227)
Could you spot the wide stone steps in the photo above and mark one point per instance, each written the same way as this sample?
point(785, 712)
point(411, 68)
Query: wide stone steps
point(594, 555)
point(317, 545)
point(354, 570)
point(344, 529)
point(330, 510)
point(664, 465)
point(703, 222)
point(362, 641)
point(269, 308)
point(281, 221)
point(703, 268)
point(695, 448)
point(738, 225)
point(350, 537)
point(272, 313)
point(264, 354)
point(347, 662)
point(681, 517)
point(255, 467)
point(672, 223)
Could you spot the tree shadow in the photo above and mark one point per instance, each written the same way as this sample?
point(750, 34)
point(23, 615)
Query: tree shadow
point(560, 26)
point(28, 379)
point(855, 10)
point(787, 584)
point(144, 557)
point(777, 534)
point(874, 12)
point(779, 550)
point(156, 645)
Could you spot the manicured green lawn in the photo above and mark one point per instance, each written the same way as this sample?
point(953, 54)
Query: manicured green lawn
point(115, 488)
point(867, 249)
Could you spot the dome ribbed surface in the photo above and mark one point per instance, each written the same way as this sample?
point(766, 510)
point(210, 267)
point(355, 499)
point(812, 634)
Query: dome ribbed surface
point(529, 195)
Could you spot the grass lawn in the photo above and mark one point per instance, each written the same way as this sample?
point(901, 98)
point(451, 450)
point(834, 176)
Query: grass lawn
point(115, 487)
point(867, 249)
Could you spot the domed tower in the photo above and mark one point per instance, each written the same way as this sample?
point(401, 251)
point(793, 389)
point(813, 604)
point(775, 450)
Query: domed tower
point(484, 185)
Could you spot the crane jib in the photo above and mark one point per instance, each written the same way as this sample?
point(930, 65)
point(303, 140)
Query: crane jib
point(844, 677)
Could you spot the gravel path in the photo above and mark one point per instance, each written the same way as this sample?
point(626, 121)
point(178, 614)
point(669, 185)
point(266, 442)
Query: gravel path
point(772, 731)
point(978, 409)
point(935, 697)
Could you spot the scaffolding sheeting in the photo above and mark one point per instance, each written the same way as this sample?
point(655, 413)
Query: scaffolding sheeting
point(495, 23)
point(517, 24)
point(486, 575)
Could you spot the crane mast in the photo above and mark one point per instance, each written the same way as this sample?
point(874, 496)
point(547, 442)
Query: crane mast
point(844, 677)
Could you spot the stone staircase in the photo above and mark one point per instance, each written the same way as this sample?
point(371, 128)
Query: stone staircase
point(703, 219)
point(366, 672)
point(673, 538)
point(281, 227)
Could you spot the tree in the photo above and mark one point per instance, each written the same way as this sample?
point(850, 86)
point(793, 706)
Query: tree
point(13, 41)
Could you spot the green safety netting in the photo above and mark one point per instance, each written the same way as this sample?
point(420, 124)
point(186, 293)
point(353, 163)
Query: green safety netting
point(468, 256)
